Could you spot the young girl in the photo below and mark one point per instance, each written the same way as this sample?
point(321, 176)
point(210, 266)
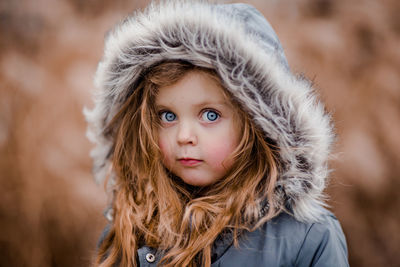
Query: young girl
point(216, 154)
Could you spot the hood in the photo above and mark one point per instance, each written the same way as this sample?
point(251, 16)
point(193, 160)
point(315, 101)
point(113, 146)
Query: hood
point(238, 42)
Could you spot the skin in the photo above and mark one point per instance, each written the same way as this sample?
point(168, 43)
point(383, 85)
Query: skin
point(199, 129)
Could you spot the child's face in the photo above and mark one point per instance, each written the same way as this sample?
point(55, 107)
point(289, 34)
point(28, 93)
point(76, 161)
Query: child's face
point(199, 129)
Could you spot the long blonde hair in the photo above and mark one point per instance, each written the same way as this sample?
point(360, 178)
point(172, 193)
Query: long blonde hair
point(153, 207)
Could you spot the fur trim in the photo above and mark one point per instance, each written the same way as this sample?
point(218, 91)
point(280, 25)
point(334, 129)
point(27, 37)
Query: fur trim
point(241, 46)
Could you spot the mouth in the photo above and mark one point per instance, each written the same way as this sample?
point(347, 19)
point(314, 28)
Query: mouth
point(190, 162)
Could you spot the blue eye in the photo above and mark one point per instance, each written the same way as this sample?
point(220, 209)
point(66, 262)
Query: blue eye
point(210, 115)
point(167, 116)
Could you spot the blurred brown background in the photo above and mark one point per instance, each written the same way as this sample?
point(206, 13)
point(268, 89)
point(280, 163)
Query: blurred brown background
point(50, 206)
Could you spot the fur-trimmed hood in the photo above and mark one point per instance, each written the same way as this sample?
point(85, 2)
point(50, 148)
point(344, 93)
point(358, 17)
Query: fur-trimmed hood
point(236, 41)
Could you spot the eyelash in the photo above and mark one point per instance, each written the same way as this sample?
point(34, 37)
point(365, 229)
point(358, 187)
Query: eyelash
point(162, 112)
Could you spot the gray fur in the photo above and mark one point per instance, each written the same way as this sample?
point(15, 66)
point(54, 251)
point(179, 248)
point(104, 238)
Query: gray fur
point(239, 43)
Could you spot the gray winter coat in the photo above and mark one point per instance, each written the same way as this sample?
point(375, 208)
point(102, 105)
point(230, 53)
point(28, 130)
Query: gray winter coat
point(240, 45)
point(282, 241)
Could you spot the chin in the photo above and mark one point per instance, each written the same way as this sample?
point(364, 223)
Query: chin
point(194, 181)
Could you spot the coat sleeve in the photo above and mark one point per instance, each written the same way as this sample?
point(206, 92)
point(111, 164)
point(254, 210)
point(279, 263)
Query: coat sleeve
point(324, 245)
point(103, 236)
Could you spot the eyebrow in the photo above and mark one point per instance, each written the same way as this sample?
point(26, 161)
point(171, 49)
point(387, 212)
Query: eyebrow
point(206, 103)
point(201, 104)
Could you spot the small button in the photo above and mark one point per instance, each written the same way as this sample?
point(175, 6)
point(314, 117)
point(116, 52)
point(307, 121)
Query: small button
point(150, 257)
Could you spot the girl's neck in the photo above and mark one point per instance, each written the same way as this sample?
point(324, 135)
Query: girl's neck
point(190, 191)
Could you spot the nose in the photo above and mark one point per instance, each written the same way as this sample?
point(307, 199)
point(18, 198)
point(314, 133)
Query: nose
point(187, 134)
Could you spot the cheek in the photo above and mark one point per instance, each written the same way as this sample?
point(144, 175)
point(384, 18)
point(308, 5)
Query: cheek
point(218, 151)
point(165, 148)
point(220, 146)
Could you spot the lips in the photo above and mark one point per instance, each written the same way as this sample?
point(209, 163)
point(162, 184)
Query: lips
point(190, 162)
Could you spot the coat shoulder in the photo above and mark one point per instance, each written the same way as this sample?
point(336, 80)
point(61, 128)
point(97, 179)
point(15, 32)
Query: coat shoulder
point(324, 244)
point(285, 241)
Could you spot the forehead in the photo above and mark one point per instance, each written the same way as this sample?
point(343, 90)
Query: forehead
point(195, 87)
